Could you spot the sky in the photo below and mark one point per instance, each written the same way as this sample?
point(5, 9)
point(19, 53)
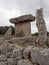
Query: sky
point(15, 8)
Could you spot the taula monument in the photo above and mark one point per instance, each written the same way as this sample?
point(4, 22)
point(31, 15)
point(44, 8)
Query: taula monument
point(22, 25)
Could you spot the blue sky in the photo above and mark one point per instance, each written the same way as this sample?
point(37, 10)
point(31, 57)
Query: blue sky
point(15, 8)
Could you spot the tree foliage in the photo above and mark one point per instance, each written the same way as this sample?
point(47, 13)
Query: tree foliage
point(3, 29)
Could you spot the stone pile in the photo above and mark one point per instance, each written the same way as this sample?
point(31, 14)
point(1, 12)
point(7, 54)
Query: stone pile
point(23, 41)
point(17, 55)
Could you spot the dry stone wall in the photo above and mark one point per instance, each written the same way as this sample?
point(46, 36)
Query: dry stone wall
point(17, 55)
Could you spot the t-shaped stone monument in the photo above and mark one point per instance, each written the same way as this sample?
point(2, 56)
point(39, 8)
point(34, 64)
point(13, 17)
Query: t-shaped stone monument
point(22, 25)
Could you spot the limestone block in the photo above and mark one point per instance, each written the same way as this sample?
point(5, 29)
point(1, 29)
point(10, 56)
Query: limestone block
point(23, 41)
point(35, 55)
point(11, 61)
point(3, 58)
point(6, 49)
point(22, 19)
point(3, 63)
point(3, 48)
point(17, 52)
point(24, 62)
point(44, 54)
point(9, 50)
point(40, 57)
point(26, 52)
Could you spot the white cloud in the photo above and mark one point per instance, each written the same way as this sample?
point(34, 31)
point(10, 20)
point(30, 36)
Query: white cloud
point(33, 27)
point(5, 15)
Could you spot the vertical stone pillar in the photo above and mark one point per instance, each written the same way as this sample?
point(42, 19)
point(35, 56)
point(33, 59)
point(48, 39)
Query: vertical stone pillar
point(8, 34)
point(42, 31)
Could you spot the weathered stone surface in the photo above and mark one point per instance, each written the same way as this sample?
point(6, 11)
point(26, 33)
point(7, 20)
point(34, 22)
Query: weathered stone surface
point(23, 29)
point(23, 41)
point(24, 62)
point(10, 55)
point(6, 49)
point(8, 34)
point(22, 25)
point(26, 52)
point(23, 18)
point(40, 57)
point(3, 58)
point(11, 61)
point(44, 54)
point(9, 50)
point(3, 63)
point(3, 48)
point(35, 55)
point(17, 53)
point(40, 23)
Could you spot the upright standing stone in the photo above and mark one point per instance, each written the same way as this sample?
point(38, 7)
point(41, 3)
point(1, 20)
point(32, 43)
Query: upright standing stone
point(22, 25)
point(8, 34)
point(40, 23)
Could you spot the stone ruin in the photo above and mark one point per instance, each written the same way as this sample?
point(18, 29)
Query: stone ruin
point(13, 53)
point(22, 25)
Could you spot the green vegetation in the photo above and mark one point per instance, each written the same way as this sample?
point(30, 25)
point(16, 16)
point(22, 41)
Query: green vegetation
point(3, 29)
point(35, 34)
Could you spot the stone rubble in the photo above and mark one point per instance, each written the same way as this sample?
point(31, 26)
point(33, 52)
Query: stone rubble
point(17, 55)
